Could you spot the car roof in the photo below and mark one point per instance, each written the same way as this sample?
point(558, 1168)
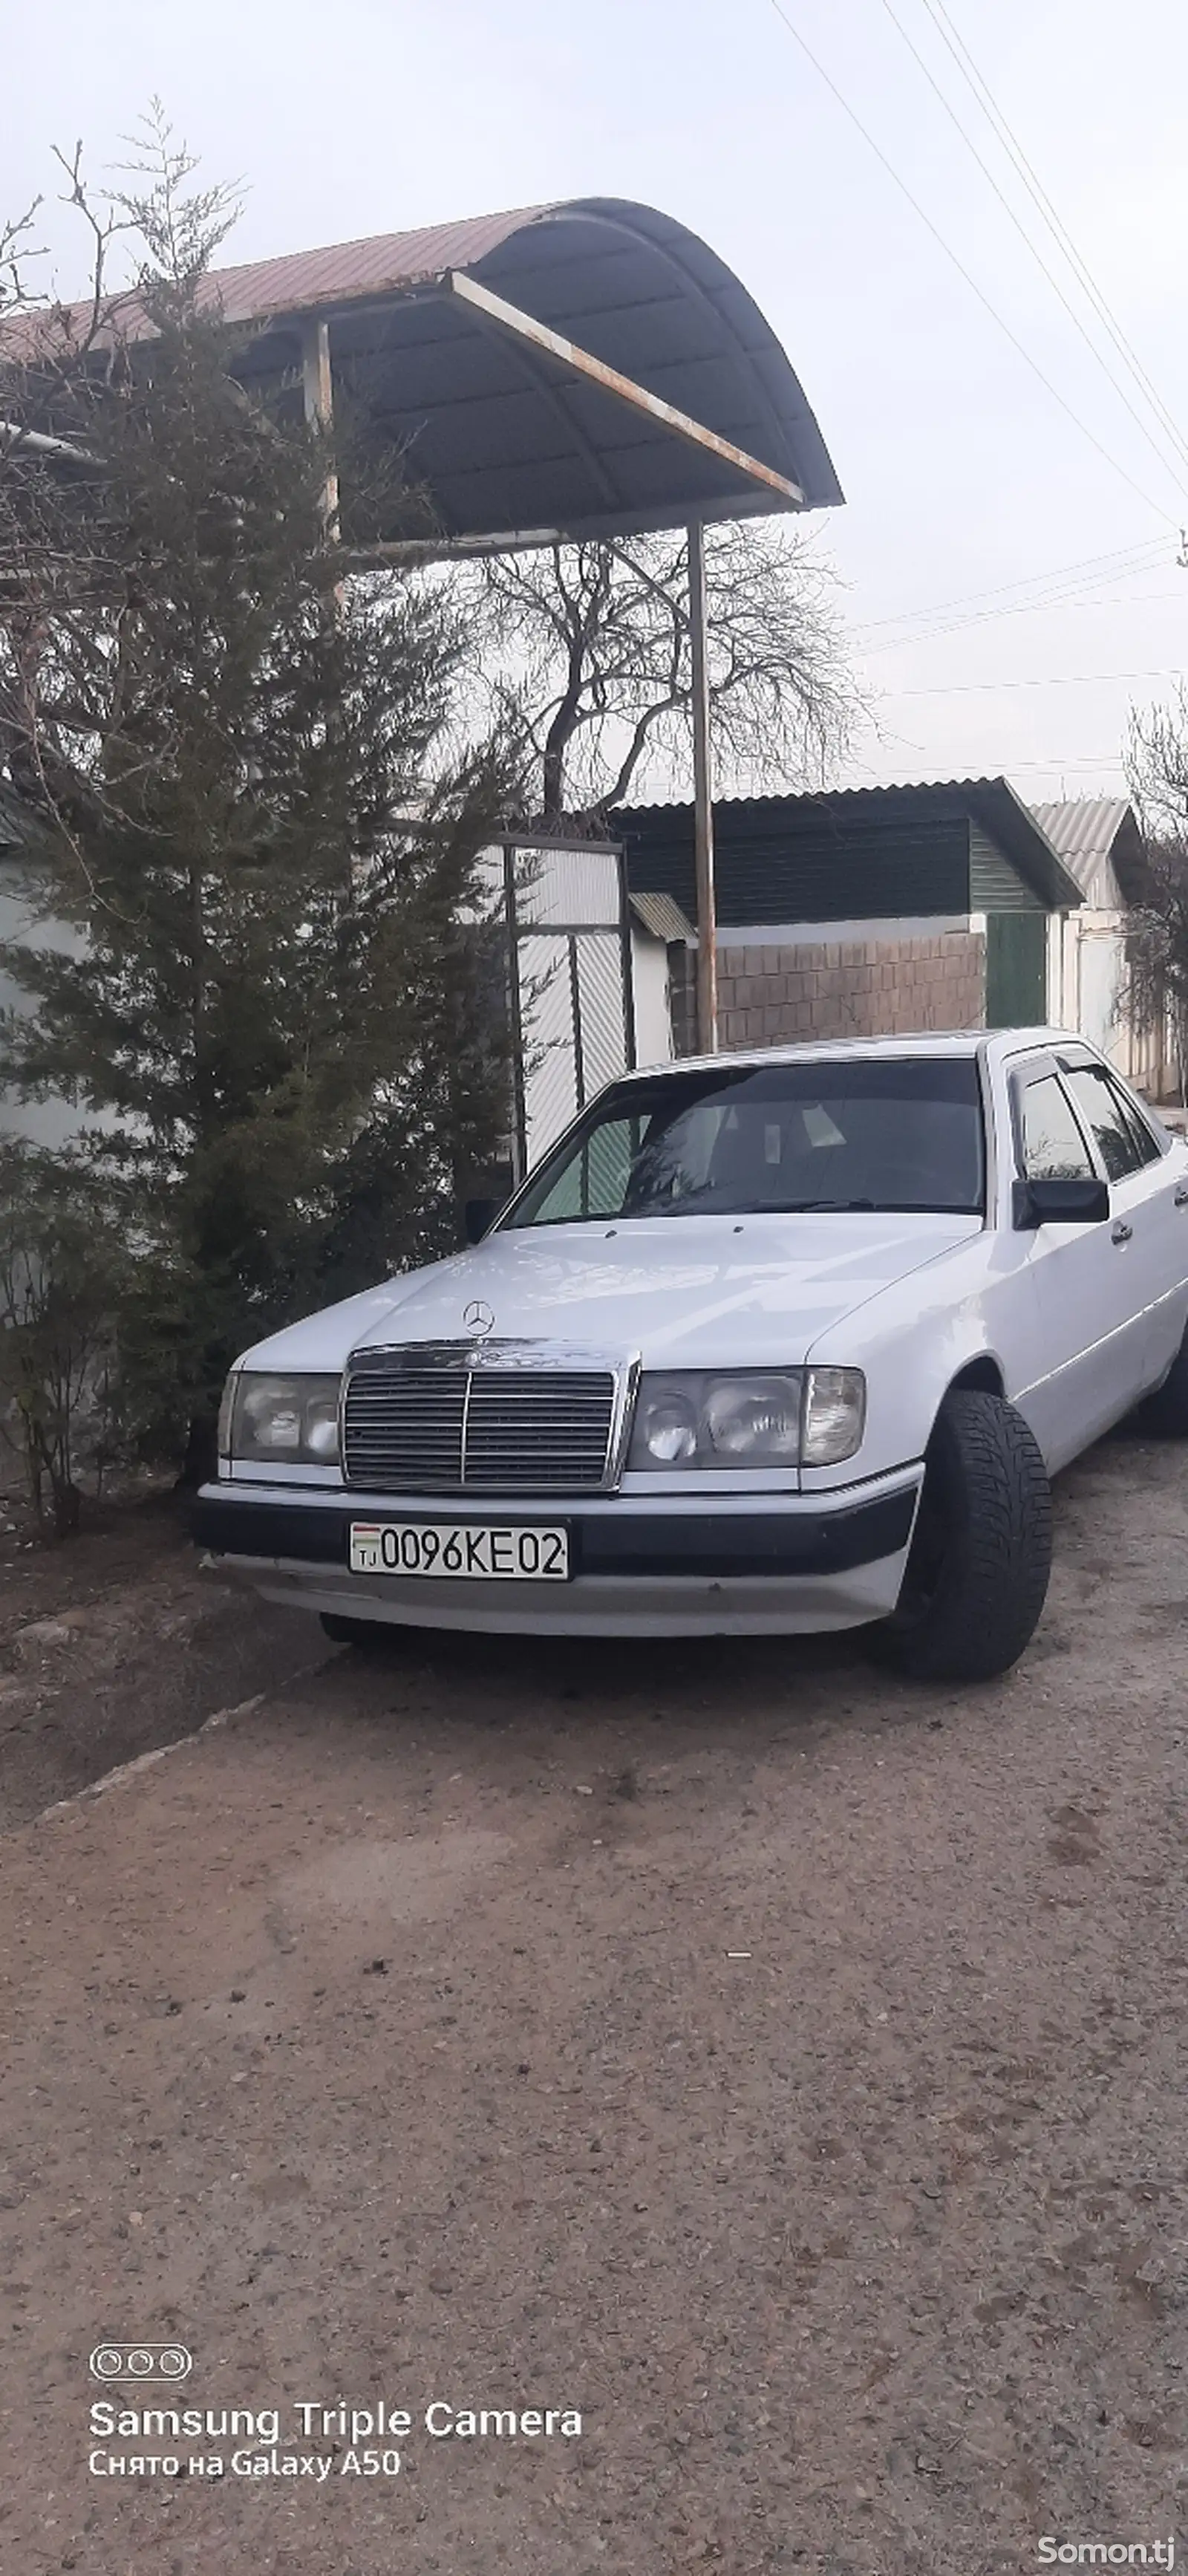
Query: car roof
point(910, 1042)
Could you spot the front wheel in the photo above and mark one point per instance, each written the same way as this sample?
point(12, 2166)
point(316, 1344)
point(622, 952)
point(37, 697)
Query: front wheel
point(981, 1553)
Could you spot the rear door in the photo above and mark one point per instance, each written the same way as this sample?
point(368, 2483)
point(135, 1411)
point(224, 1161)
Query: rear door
point(1086, 1353)
point(1148, 1198)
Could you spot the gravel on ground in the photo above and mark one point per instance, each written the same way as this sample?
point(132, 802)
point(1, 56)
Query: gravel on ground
point(781, 2067)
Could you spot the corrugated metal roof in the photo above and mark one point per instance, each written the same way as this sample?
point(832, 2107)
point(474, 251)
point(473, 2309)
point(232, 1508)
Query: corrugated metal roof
point(502, 437)
point(899, 850)
point(1084, 828)
point(663, 918)
point(853, 796)
point(1101, 843)
point(343, 273)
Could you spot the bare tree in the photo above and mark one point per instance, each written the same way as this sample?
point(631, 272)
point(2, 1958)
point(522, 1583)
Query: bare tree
point(17, 248)
point(587, 648)
point(1157, 928)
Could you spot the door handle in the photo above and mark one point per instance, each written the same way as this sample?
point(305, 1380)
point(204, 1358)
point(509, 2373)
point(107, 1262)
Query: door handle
point(1181, 1197)
point(1121, 1233)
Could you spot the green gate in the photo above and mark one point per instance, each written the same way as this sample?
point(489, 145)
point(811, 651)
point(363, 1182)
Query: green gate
point(1016, 969)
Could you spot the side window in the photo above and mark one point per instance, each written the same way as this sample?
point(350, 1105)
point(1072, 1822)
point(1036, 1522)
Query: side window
point(1146, 1144)
point(1108, 1121)
point(1052, 1147)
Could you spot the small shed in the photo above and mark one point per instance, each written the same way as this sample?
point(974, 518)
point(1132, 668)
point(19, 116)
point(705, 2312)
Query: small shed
point(664, 950)
point(867, 910)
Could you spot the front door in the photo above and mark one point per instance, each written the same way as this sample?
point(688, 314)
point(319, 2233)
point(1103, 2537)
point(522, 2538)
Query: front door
point(1085, 1363)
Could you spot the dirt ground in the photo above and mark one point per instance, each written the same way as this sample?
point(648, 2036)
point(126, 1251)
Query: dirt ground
point(781, 2068)
point(116, 1643)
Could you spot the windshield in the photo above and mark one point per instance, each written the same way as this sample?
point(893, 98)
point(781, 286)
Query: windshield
point(879, 1132)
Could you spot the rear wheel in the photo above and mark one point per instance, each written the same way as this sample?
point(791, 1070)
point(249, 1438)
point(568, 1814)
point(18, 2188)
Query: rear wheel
point(977, 1573)
point(1166, 1411)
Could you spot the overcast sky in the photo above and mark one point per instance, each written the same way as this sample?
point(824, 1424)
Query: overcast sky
point(963, 474)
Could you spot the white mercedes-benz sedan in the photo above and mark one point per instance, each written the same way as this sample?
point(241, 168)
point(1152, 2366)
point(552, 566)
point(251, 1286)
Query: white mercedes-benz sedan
point(767, 1343)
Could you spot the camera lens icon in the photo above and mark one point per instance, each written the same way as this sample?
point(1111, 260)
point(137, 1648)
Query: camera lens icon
point(141, 2361)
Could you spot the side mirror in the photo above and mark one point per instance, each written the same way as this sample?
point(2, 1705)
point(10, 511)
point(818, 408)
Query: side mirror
point(1060, 1203)
point(478, 1218)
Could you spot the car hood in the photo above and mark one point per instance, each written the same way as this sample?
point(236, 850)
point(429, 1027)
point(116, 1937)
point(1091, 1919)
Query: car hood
point(683, 1292)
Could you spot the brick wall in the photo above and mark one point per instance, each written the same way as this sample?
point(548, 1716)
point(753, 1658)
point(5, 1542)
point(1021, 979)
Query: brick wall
point(851, 989)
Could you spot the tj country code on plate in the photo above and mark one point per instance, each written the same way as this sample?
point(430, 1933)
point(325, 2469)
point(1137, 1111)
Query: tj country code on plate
point(467, 1548)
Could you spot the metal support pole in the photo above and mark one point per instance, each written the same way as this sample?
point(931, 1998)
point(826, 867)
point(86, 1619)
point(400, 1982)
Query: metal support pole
point(511, 923)
point(703, 804)
point(317, 385)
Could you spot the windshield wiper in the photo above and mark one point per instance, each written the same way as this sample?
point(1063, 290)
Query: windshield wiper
point(804, 1207)
point(696, 1201)
point(695, 1204)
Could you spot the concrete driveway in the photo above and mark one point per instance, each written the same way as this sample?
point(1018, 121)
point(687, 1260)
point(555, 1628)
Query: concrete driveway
point(777, 2070)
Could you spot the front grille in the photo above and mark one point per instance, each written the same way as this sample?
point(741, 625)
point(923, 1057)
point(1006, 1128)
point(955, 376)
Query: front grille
point(409, 1427)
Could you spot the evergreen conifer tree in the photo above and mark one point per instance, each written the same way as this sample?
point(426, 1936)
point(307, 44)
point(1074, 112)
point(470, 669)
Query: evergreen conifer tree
point(276, 1019)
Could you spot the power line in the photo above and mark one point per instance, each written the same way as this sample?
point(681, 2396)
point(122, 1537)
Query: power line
point(1058, 761)
point(1069, 601)
point(1049, 680)
point(1090, 761)
point(982, 91)
point(959, 265)
point(1109, 567)
point(1004, 201)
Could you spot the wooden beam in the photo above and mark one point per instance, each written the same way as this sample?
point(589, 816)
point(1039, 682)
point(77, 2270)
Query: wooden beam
point(318, 387)
point(388, 551)
point(524, 326)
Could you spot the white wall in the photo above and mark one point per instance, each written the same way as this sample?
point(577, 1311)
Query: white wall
point(47, 1122)
point(653, 1018)
point(1087, 978)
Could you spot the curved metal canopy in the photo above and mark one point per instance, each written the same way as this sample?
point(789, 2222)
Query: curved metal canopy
point(507, 431)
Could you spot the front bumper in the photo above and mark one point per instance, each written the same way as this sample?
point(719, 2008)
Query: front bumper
point(759, 1565)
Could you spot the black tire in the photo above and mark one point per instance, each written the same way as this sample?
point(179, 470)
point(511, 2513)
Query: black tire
point(367, 1634)
point(1166, 1411)
point(977, 1575)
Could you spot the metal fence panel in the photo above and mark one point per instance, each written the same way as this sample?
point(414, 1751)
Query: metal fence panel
point(571, 889)
point(599, 961)
point(549, 1049)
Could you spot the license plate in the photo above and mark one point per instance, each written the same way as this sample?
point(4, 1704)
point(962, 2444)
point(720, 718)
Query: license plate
point(488, 1552)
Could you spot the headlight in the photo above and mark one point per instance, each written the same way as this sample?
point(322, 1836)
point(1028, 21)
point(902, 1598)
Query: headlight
point(290, 1419)
point(748, 1418)
point(743, 1419)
